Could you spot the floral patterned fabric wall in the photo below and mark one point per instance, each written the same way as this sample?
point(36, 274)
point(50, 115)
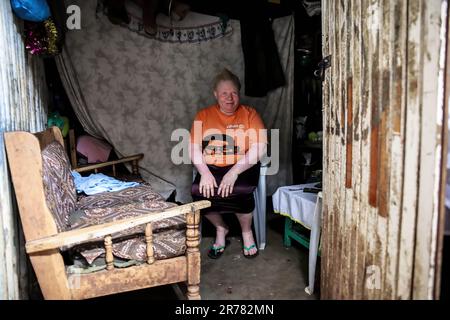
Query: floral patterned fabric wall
point(135, 91)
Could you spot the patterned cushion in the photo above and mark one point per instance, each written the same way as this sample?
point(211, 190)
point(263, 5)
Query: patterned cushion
point(59, 188)
point(143, 192)
point(168, 234)
point(130, 196)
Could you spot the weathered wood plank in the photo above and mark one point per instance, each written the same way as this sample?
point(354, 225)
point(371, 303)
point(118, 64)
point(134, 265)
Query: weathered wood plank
point(445, 132)
point(330, 153)
point(380, 232)
point(411, 141)
point(326, 228)
point(128, 279)
point(346, 194)
point(340, 130)
point(356, 94)
point(385, 109)
point(361, 243)
point(330, 123)
point(430, 150)
point(336, 248)
point(337, 98)
point(374, 23)
point(349, 134)
point(374, 14)
point(397, 54)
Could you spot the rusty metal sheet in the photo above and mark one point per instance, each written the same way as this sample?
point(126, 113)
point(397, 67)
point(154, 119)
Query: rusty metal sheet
point(22, 107)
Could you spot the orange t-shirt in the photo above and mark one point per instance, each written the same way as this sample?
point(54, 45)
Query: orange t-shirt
point(226, 138)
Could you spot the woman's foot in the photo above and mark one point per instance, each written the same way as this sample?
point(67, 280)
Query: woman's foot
point(220, 244)
point(249, 246)
point(221, 234)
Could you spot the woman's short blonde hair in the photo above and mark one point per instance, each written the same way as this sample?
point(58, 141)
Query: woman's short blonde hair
point(227, 75)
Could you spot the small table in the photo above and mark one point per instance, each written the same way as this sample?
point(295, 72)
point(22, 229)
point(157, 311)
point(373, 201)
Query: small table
point(305, 209)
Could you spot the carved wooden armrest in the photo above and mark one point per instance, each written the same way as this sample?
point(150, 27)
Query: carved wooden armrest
point(87, 234)
point(132, 159)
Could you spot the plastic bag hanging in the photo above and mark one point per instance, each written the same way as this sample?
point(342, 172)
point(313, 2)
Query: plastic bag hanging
point(31, 10)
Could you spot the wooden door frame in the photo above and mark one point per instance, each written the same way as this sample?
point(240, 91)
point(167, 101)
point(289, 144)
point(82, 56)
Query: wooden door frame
point(406, 243)
point(445, 138)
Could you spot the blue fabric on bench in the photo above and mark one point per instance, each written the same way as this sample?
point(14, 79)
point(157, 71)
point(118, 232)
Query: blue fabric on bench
point(98, 183)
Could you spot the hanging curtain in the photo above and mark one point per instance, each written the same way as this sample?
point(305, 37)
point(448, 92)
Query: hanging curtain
point(135, 91)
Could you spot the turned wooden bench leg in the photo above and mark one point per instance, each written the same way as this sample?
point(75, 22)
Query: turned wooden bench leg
point(109, 255)
point(149, 241)
point(135, 167)
point(193, 255)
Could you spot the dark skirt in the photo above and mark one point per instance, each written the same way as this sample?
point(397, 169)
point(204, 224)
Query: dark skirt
point(240, 201)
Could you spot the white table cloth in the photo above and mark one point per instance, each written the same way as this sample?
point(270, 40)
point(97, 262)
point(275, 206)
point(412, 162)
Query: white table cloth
point(306, 209)
point(292, 202)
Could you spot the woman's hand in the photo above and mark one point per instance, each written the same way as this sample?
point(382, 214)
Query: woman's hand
point(207, 184)
point(227, 184)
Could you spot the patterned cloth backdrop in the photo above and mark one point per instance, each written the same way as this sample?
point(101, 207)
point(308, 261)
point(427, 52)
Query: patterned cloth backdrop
point(135, 91)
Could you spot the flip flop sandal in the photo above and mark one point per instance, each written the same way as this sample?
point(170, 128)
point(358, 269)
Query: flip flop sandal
point(216, 252)
point(250, 256)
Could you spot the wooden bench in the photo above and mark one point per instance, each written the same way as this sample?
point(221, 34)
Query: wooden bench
point(43, 241)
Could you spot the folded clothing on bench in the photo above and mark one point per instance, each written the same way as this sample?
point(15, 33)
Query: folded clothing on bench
point(98, 183)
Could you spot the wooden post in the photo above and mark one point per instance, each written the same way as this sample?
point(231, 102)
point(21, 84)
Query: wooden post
point(109, 255)
point(73, 149)
point(135, 168)
point(149, 241)
point(193, 254)
point(25, 163)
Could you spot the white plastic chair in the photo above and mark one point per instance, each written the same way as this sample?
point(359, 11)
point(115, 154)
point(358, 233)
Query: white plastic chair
point(259, 215)
point(314, 241)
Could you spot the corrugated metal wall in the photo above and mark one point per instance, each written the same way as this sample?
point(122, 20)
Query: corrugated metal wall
point(382, 123)
point(22, 107)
